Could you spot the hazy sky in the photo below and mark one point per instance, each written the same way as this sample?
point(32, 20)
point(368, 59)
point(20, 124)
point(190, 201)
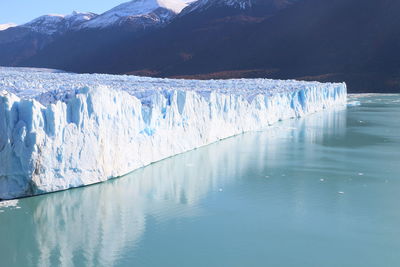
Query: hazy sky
point(21, 11)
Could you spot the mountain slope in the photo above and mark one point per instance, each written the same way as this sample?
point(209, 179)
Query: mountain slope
point(203, 5)
point(160, 10)
point(19, 44)
point(6, 26)
point(169, 44)
point(328, 40)
point(58, 24)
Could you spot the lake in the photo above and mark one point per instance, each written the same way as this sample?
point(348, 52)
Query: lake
point(323, 190)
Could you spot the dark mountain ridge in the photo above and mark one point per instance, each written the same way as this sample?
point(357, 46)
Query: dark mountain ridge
point(81, 30)
point(177, 41)
point(356, 41)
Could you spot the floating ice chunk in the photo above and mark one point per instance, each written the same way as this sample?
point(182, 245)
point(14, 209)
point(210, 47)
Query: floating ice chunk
point(353, 103)
point(9, 203)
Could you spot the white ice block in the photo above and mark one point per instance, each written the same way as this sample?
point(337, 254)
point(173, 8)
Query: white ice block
point(63, 130)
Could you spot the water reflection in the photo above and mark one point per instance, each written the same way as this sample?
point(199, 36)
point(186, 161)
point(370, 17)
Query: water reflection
point(93, 226)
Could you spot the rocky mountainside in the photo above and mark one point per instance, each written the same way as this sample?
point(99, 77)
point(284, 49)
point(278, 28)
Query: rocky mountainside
point(327, 40)
point(203, 5)
point(6, 26)
point(198, 27)
point(58, 24)
point(20, 43)
point(143, 12)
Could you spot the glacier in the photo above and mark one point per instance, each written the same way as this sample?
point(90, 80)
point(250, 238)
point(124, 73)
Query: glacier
point(64, 130)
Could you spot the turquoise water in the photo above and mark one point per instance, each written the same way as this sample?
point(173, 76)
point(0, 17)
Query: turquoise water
point(320, 191)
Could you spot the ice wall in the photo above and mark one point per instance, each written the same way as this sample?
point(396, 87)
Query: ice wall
point(59, 131)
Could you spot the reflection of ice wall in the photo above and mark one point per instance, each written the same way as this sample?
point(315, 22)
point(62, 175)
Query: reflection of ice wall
point(97, 225)
point(67, 224)
point(54, 136)
point(300, 133)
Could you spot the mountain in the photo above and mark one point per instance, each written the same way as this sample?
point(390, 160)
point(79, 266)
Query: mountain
point(6, 26)
point(145, 12)
point(115, 51)
point(58, 24)
point(203, 5)
point(327, 40)
point(355, 41)
point(19, 44)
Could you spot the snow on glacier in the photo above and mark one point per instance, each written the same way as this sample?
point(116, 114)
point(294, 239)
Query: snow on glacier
point(64, 130)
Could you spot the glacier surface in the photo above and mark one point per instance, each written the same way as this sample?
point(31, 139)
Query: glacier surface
point(64, 130)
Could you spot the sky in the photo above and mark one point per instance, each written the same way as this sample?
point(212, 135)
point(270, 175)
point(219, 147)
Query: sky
point(22, 11)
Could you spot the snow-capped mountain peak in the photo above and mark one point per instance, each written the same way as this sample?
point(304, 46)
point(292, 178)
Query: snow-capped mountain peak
point(136, 12)
point(141, 7)
point(47, 24)
point(161, 9)
point(238, 4)
point(79, 17)
point(55, 23)
point(205, 4)
point(6, 26)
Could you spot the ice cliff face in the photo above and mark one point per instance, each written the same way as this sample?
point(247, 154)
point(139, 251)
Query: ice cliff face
point(60, 130)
